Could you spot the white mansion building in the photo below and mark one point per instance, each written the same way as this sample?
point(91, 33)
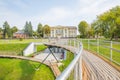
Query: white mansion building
point(63, 31)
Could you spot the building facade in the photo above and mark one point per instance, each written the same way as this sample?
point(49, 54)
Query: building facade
point(63, 32)
point(20, 34)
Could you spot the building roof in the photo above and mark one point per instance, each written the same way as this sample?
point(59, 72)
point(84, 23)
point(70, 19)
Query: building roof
point(59, 26)
point(20, 32)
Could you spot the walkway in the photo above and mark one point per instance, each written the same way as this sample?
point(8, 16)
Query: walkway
point(94, 68)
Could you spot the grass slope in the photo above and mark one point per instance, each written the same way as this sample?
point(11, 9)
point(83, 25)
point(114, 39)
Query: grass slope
point(66, 62)
point(12, 41)
point(15, 69)
point(13, 49)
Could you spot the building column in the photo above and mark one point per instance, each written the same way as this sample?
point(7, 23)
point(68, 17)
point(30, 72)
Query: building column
point(51, 33)
point(63, 32)
point(54, 33)
point(67, 33)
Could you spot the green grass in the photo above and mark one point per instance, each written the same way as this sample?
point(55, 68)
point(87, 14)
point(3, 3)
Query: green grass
point(12, 49)
point(66, 62)
point(16, 47)
point(41, 48)
point(14, 41)
point(15, 69)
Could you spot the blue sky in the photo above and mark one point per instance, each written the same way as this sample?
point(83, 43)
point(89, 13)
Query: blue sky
point(52, 12)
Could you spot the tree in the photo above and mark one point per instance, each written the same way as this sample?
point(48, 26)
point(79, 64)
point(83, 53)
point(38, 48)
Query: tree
point(14, 29)
point(1, 31)
point(28, 29)
point(40, 30)
point(6, 30)
point(35, 34)
point(46, 30)
point(109, 23)
point(82, 27)
point(90, 32)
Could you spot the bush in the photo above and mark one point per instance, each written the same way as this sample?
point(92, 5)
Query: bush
point(21, 39)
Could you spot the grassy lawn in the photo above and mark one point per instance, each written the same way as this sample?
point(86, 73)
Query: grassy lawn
point(14, 41)
point(12, 49)
point(15, 69)
point(41, 48)
point(66, 62)
point(16, 47)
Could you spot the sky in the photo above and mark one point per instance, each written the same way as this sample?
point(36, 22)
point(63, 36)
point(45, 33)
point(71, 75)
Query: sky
point(52, 12)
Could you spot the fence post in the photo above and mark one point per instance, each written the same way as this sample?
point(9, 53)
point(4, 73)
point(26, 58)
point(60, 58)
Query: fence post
point(110, 50)
point(76, 72)
point(88, 44)
point(78, 45)
point(74, 42)
point(97, 45)
point(80, 68)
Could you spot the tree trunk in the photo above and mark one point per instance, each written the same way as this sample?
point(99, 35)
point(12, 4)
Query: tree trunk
point(112, 37)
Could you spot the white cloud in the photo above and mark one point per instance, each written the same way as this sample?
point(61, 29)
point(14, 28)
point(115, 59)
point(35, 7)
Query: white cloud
point(57, 15)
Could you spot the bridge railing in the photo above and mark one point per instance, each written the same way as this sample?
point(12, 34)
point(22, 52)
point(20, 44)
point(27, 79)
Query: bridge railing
point(74, 69)
point(108, 49)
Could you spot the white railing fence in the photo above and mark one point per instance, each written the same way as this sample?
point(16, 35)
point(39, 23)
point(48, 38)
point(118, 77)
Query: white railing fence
point(108, 49)
point(74, 69)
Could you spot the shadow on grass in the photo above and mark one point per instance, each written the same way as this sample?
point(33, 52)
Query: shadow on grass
point(27, 72)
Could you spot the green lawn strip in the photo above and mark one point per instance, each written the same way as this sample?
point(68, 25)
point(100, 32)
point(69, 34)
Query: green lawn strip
point(15, 69)
point(66, 62)
point(116, 56)
point(6, 41)
point(41, 48)
point(13, 49)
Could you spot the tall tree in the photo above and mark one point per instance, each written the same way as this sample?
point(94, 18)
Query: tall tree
point(40, 30)
point(6, 30)
point(28, 28)
point(109, 23)
point(46, 30)
point(14, 29)
point(1, 29)
point(82, 27)
point(1, 32)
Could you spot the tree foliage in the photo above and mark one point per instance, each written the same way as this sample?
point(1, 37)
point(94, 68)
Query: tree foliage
point(14, 29)
point(40, 30)
point(28, 28)
point(7, 33)
point(1, 31)
point(108, 23)
point(46, 30)
point(82, 27)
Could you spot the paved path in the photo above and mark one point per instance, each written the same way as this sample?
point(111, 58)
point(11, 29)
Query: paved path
point(94, 68)
point(42, 56)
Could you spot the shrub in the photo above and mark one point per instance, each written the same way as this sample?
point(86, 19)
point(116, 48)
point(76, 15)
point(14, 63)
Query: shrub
point(21, 39)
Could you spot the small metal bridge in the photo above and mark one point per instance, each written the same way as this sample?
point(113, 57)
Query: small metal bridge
point(84, 66)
